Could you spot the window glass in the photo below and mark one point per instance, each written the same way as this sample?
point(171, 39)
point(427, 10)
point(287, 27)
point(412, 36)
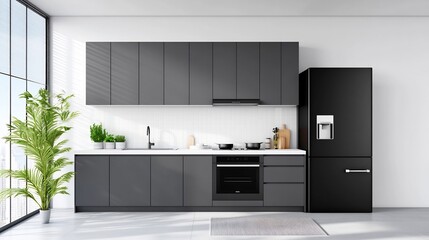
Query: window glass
point(33, 88)
point(18, 158)
point(4, 36)
point(18, 35)
point(4, 147)
point(36, 56)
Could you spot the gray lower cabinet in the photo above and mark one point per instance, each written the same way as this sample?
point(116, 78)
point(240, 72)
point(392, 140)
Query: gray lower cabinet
point(224, 70)
point(98, 73)
point(197, 189)
point(92, 181)
point(151, 75)
point(200, 73)
point(270, 73)
point(166, 181)
point(129, 180)
point(284, 194)
point(125, 73)
point(176, 73)
point(290, 73)
point(248, 70)
point(284, 181)
point(175, 181)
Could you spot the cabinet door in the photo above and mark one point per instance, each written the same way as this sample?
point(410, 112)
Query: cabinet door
point(224, 70)
point(248, 70)
point(197, 180)
point(125, 73)
point(290, 72)
point(151, 73)
point(129, 181)
point(279, 174)
point(200, 74)
point(97, 73)
point(270, 73)
point(284, 194)
point(176, 72)
point(332, 189)
point(92, 181)
point(166, 181)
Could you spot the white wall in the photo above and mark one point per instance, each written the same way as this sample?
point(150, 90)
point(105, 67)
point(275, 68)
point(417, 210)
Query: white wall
point(397, 49)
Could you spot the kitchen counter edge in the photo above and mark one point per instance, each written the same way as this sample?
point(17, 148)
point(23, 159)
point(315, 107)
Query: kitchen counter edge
point(189, 152)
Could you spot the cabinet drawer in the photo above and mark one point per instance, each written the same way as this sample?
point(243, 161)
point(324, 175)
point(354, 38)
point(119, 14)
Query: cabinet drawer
point(284, 194)
point(284, 160)
point(283, 174)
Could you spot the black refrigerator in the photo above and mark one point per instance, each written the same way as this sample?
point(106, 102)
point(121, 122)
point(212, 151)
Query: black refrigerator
point(335, 128)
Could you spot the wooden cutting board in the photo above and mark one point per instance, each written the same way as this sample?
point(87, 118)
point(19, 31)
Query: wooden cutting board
point(284, 132)
point(191, 141)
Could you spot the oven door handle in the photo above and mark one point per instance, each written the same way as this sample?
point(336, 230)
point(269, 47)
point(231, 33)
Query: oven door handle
point(238, 165)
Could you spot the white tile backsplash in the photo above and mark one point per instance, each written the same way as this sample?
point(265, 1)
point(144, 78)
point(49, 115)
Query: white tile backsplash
point(171, 125)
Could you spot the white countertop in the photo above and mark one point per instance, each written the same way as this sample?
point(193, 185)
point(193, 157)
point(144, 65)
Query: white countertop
point(190, 152)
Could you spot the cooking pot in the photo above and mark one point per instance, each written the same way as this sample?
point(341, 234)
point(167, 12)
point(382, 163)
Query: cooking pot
point(253, 146)
point(225, 146)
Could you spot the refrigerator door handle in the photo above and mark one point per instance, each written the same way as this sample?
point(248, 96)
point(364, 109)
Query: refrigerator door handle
point(357, 171)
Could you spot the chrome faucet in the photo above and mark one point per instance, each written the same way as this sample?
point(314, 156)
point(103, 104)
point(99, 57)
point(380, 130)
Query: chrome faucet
point(149, 144)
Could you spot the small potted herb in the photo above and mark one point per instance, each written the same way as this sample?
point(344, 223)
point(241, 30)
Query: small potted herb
point(120, 142)
point(109, 141)
point(97, 134)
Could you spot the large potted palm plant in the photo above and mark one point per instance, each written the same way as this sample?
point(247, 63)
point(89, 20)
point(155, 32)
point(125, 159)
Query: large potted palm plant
point(40, 137)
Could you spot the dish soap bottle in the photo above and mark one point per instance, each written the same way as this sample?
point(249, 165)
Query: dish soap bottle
point(275, 138)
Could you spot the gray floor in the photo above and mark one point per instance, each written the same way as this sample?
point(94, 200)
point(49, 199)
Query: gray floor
point(383, 224)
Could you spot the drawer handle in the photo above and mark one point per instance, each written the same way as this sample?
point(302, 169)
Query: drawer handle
point(358, 171)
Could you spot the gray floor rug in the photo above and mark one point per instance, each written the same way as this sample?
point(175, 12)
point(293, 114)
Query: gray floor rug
point(263, 225)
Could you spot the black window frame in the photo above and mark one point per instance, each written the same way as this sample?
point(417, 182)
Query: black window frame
point(35, 9)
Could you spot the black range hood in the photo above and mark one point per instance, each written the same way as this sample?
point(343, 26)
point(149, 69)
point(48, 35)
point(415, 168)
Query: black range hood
point(235, 102)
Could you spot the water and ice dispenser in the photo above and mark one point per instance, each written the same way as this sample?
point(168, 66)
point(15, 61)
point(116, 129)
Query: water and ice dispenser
point(325, 127)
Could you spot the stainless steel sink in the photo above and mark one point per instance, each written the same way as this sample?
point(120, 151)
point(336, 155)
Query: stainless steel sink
point(151, 149)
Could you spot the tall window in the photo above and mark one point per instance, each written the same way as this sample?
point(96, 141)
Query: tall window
point(22, 67)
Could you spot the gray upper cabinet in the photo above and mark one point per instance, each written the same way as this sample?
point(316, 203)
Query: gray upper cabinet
point(270, 73)
point(129, 180)
point(92, 181)
point(183, 73)
point(97, 73)
point(197, 180)
point(176, 73)
point(290, 72)
point(248, 70)
point(125, 73)
point(166, 181)
point(151, 73)
point(201, 73)
point(224, 70)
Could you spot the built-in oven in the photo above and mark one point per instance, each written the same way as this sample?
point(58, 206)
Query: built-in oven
point(237, 178)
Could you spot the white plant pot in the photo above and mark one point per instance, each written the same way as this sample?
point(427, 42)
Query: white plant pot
point(45, 215)
point(121, 145)
point(98, 145)
point(109, 145)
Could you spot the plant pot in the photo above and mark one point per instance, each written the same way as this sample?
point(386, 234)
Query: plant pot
point(121, 145)
point(109, 145)
point(45, 215)
point(98, 145)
